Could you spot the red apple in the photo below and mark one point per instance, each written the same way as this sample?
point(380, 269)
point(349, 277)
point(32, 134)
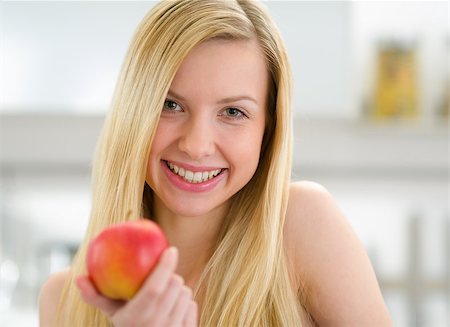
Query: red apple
point(122, 256)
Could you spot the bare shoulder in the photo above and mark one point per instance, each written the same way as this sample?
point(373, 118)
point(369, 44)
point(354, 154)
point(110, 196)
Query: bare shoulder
point(313, 221)
point(49, 297)
point(330, 262)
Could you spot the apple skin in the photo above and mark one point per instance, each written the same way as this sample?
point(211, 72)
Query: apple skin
point(121, 256)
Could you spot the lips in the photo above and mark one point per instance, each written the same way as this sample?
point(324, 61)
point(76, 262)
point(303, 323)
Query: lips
point(193, 177)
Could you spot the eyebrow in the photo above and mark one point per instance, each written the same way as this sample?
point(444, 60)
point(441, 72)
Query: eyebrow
point(238, 98)
point(222, 101)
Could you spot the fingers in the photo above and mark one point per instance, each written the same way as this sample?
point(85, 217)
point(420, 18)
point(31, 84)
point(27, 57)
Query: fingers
point(171, 296)
point(191, 315)
point(156, 284)
point(163, 299)
point(91, 296)
point(180, 309)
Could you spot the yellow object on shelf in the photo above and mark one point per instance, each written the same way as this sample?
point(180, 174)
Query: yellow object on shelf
point(396, 85)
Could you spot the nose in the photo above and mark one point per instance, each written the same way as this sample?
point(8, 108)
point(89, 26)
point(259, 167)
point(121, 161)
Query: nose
point(197, 139)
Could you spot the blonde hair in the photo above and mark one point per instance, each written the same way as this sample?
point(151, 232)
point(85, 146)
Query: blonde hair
point(247, 280)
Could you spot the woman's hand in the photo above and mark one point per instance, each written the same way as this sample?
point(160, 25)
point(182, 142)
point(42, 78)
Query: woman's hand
point(163, 299)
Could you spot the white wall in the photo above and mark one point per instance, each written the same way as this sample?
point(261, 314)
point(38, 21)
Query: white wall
point(65, 56)
point(317, 35)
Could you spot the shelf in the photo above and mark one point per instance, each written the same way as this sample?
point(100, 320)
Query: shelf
point(352, 148)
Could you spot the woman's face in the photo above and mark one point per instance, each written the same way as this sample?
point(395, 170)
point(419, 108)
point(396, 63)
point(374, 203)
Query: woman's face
point(208, 141)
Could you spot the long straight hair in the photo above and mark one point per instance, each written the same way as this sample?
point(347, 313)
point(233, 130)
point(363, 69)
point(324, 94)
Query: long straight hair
point(247, 281)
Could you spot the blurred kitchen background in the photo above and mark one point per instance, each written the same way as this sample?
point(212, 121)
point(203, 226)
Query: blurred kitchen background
point(371, 125)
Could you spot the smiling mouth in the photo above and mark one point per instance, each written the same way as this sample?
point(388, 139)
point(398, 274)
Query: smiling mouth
point(194, 177)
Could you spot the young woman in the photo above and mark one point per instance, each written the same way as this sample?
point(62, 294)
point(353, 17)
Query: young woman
point(199, 140)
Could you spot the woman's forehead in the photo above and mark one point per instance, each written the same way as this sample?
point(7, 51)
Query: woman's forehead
point(220, 66)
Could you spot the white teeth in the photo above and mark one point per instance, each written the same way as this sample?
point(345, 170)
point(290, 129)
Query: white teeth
point(197, 177)
point(192, 177)
point(189, 175)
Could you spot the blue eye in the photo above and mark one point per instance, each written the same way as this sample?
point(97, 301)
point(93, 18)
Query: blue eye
point(234, 113)
point(171, 106)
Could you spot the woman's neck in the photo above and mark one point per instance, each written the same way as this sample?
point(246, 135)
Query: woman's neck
point(195, 237)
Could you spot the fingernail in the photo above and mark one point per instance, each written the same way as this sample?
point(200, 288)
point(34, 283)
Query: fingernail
point(172, 253)
point(173, 250)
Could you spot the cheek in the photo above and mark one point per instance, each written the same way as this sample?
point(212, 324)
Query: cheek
point(163, 137)
point(247, 150)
